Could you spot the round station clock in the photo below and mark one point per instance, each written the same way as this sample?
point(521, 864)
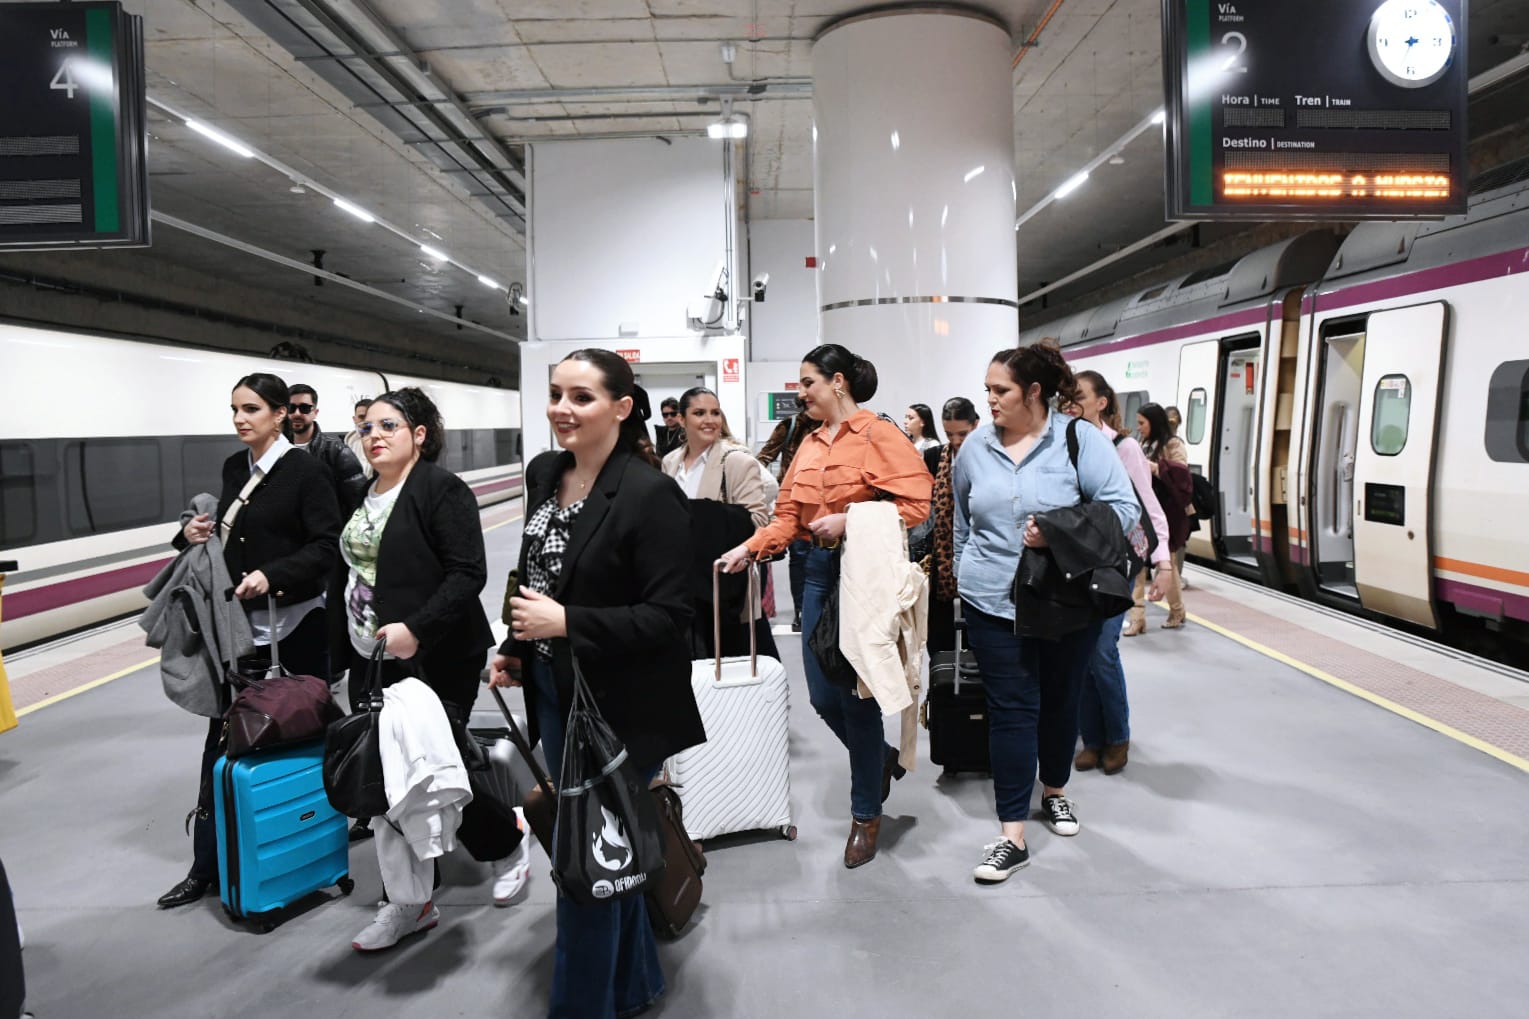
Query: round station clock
point(1412, 42)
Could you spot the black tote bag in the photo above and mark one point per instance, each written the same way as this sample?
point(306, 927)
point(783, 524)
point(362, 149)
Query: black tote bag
point(353, 752)
point(608, 842)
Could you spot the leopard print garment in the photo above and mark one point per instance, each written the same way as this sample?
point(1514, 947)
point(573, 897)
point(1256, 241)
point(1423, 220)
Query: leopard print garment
point(944, 530)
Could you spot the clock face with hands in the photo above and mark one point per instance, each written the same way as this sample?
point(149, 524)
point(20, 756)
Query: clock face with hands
point(1411, 42)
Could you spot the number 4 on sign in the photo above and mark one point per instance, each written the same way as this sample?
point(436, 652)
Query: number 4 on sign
point(64, 81)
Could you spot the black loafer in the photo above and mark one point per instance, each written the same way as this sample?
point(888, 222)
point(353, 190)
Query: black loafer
point(185, 893)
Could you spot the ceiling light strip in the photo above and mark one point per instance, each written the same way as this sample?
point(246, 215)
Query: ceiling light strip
point(1125, 252)
point(292, 263)
point(1113, 149)
point(298, 177)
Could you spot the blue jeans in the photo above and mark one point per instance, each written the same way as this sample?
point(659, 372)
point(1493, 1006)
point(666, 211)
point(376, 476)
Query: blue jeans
point(1104, 716)
point(856, 722)
point(1032, 697)
point(606, 961)
point(796, 569)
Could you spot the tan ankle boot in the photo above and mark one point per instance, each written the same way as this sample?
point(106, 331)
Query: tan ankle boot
point(1134, 628)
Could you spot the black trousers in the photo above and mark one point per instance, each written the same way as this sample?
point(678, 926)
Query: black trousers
point(488, 830)
point(304, 652)
point(13, 984)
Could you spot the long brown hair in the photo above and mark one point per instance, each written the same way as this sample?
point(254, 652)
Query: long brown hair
point(1111, 413)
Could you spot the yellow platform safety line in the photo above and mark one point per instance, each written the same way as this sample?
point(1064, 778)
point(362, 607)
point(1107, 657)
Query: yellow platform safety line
point(50, 701)
point(88, 686)
point(1397, 709)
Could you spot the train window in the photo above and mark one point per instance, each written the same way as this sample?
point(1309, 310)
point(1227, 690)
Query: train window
point(18, 494)
point(113, 484)
point(202, 459)
point(1393, 409)
point(1507, 434)
point(1130, 403)
point(1194, 420)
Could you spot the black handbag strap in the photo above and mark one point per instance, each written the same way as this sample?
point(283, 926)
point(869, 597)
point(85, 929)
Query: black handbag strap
point(523, 746)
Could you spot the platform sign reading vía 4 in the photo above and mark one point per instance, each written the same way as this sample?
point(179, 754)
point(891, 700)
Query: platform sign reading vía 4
point(1293, 109)
point(73, 169)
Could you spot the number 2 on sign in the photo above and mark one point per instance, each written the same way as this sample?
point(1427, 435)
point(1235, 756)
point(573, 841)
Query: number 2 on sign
point(1234, 62)
point(64, 81)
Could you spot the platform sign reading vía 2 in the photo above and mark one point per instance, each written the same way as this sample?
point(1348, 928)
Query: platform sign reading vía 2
point(1293, 109)
point(73, 169)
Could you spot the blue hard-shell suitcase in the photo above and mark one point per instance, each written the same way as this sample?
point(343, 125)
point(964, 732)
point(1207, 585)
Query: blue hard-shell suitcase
point(278, 837)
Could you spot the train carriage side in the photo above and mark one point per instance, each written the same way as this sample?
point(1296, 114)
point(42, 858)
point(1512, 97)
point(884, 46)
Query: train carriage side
point(1201, 343)
point(109, 438)
point(1414, 473)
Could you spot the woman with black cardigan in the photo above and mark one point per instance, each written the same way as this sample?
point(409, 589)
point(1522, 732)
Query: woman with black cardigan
point(412, 568)
point(603, 579)
point(279, 526)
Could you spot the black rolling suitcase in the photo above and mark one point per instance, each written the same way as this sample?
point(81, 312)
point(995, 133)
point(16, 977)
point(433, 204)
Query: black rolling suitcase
point(955, 711)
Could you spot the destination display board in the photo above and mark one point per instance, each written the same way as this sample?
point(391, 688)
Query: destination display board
point(1295, 109)
point(73, 161)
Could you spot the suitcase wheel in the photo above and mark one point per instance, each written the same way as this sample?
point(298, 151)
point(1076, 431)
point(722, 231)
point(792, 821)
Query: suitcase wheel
point(265, 926)
point(789, 831)
point(346, 885)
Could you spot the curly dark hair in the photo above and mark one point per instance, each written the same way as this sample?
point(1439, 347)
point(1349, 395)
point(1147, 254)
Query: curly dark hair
point(418, 409)
point(1042, 364)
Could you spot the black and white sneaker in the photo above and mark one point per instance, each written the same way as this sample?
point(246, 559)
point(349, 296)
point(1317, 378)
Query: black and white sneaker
point(999, 860)
point(1057, 811)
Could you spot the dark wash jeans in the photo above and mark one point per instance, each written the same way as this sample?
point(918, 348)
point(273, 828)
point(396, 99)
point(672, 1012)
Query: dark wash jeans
point(1032, 690)
point(1104, 713)
point(856, 722)
point(605, 965)
point(304, 652)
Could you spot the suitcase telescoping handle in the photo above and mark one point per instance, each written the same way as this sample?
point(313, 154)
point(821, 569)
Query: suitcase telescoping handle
point(518, 738)
point(716, 618)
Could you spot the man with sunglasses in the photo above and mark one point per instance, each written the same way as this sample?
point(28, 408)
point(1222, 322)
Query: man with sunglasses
point(670, 434)
point(344, 469)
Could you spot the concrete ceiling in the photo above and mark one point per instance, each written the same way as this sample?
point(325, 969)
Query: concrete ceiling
point(272, 74)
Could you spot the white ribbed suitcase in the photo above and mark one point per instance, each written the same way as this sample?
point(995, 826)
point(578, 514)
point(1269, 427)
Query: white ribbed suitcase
point(739, 779)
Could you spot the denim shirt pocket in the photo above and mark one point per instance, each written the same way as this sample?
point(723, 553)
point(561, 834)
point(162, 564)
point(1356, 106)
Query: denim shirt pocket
point(1051, 488)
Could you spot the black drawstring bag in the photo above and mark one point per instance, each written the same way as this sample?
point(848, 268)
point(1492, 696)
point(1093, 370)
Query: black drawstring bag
point(607, 842)
point(824, 643)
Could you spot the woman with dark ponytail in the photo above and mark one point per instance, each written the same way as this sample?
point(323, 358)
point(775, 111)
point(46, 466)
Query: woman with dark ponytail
point(854, 456)
point(1010, 471)
point(604, 581)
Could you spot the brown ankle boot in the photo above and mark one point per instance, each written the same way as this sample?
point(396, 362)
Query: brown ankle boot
point(1134, 628)
point(1114, 759)
point(1087, 760)
point(1174, 620)
point(861, 847)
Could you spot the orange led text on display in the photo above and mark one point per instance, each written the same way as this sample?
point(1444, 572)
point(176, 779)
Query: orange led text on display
point(1274, 184)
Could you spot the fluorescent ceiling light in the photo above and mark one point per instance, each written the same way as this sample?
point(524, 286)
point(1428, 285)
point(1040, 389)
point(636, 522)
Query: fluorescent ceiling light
point(355, 210)
point(1071, 184)
point(439, 256)
point(486, 281)
point(1159, 117)
point(221, 138)
point(727, 129)
point(973, 174)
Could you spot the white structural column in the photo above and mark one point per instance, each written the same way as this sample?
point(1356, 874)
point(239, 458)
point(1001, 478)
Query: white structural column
point(913, 180)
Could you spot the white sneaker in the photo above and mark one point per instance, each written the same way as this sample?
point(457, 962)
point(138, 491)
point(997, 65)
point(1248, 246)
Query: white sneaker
point(396, 921)
point(512, 872)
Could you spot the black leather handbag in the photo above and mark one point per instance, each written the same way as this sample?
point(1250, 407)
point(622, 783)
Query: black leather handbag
point(353, 751)
point(824, 642)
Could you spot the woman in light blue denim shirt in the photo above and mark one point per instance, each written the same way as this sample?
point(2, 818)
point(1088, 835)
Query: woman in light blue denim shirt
point(1006, 473)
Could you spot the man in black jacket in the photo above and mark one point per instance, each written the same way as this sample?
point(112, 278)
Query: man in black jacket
point(344, 469)
point(670, 434)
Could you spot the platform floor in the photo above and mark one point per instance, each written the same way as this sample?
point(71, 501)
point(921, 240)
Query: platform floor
point(1278, 846)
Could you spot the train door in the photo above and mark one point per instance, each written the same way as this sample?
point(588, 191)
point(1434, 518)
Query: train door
point(1199, 371)
point(1393, 470)
point(1331, 461)
point(1234, 454)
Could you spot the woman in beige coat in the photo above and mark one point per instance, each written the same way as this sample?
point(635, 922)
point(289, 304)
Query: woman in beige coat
point(712, 464)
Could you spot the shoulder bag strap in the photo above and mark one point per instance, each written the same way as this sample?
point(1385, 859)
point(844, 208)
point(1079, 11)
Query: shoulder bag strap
point(227, 523)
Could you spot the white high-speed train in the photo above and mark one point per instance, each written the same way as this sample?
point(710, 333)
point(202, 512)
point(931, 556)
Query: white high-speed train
point(1361, 410)
point(104, 441)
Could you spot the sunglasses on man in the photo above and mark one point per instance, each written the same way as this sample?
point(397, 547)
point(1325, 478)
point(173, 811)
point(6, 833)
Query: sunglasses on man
point(388, 426)
point(302, 408)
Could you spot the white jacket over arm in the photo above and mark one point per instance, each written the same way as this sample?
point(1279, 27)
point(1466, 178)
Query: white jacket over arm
point(883, 615)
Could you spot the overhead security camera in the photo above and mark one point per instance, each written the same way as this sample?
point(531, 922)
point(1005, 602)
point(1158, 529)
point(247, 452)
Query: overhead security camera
point(760, 282)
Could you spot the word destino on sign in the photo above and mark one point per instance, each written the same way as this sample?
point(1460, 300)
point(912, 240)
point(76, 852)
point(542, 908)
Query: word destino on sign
point(1369, 122)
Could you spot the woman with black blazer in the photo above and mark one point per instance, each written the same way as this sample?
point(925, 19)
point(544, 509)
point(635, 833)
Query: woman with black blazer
point(279, 524)
point(603, 578)
point(412, 567)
